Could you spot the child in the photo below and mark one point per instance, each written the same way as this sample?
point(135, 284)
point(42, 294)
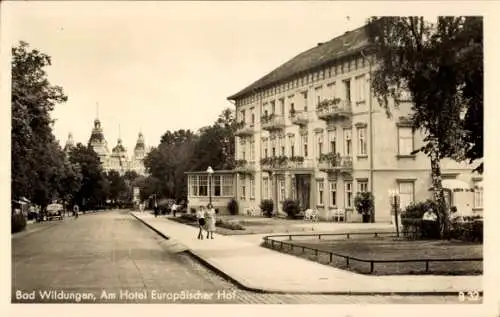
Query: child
point(200, 217)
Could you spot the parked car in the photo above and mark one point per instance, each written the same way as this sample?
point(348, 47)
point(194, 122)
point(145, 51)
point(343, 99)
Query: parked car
point(55, 211)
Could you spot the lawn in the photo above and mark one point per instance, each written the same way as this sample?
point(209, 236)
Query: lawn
point(391, 248)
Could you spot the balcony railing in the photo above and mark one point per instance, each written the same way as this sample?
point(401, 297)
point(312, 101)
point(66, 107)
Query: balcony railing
point(330, 162)
point(284, 162)
point(272, 122)
point(334, 108)
point(244, 166)
point(300, 118)
point(244, 129)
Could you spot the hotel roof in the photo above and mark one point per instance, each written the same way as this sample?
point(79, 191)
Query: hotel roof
point(320, 55)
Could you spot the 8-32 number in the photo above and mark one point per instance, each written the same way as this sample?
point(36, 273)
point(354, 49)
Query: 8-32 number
point(468, 296)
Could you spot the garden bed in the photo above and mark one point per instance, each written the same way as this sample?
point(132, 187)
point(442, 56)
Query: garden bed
point(391, 248)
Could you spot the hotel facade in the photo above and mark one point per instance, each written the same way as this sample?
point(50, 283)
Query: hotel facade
point(311, 130)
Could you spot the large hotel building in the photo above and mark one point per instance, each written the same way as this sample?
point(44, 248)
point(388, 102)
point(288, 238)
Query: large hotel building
point(312, 130)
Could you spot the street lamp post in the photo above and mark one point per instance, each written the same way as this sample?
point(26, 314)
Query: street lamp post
point(210, 171)
point(394, 200)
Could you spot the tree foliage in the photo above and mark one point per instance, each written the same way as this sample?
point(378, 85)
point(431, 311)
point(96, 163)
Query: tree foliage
point(181, 151)
point(37, 160)
point(440, 64)
point(94, 186)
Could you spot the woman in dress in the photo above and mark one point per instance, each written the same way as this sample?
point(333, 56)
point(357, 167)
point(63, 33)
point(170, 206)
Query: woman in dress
point(210, 219)
point(200, 217)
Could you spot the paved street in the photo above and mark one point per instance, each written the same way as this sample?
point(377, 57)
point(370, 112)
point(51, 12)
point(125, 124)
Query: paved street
point(111, 257)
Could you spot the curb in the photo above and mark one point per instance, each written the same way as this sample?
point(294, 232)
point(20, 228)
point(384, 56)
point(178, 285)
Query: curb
point(241, 285)
point(150, 227)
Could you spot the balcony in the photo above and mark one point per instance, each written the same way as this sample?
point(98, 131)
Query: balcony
point(300, 118)
point(274, 162)
point(244, 129)
point(299, 163)
point(272, 122)
point(331, 109)
point(244, 166)
point(335, 162)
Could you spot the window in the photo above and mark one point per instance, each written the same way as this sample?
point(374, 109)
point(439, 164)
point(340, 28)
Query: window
point(304, 94)
point(203, 186)
point(265, 188)
point(242, 114)
point(362, 146)
point(347, 85)
point(304, 145)
point(405, 135)
point(243, 187)
point(227, 186)
point(319, 138)
point(194, 183)
point(216, 181)
point(332, 141)
point(318, 91)
point(478, 197)
point(348, 195)
point(252, 187)
point(347, 142)
point(291, 142)
point(362, 186)
point(360, 88)
point(330, 90)
point(406, 193)
point(252, 149)
point(282, 145)
point(282, 106)
point(333, 193)
point(273, 107)
point(321, 189)
point(282, 189)
point(253, 115)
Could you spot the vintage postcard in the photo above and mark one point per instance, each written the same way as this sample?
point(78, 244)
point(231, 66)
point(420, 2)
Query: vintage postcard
point(255, 153)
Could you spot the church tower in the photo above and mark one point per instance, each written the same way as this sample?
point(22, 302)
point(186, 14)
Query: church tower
point(119, 161)
point(70, 143)
point(139, 155)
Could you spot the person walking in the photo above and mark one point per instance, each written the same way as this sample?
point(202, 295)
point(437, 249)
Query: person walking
point(76, 210)
point(210, 219)
point(200, 217)
point(155, 207)
point(174, 209)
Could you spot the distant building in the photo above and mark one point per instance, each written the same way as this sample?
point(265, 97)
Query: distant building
point(117, 159)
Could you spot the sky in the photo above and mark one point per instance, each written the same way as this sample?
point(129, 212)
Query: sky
point(153, 67)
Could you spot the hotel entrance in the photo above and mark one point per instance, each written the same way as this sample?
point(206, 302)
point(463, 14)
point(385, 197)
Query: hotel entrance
point(301, 190)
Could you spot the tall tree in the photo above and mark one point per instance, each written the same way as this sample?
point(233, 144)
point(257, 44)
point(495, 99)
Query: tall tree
point(95, 187)
point(37, 159)
point(431, 62)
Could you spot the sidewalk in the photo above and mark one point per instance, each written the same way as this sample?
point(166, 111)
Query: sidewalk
point(260, 269)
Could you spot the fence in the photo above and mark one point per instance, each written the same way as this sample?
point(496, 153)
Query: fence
point(272, 241)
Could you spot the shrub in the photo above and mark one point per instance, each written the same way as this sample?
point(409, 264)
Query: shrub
point(417, 210)
point(364, 202)
point(192, 210)
point(267, 207)
point(467, 231)
point(188, 217)
point(232, 207)
point(18, 222)
point(229, 225)
point(291, 207)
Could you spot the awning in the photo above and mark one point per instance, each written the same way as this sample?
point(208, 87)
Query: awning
point(455, 185)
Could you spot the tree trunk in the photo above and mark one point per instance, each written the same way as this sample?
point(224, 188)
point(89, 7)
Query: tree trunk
point(438, 194)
